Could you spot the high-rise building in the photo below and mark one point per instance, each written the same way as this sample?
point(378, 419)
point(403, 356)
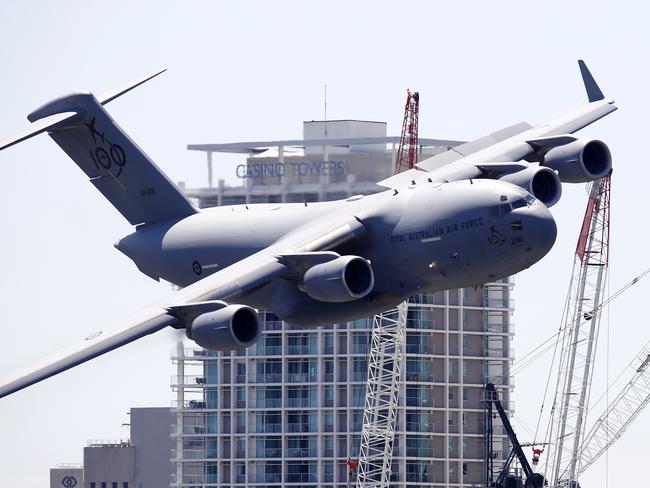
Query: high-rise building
point(288, 410)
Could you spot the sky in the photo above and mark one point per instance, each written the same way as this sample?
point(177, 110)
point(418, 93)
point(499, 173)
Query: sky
point(254, 71)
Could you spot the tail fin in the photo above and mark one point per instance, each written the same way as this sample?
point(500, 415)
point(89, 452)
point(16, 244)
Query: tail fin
point(593, 91)
point(117, 167)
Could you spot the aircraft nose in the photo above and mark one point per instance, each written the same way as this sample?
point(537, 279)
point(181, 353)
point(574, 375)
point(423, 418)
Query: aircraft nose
point(542, 232)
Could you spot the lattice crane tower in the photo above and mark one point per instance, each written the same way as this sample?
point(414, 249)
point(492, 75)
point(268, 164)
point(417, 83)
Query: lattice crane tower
point(387, 342)
point(580, 335)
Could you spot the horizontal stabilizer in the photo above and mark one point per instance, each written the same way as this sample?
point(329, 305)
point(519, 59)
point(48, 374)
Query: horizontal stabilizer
point(113, 162)
point(42, 125)
point(104, 98)
point(594, 93)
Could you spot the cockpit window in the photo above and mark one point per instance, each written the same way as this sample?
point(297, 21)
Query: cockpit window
point(499, 211)
point(523, 202)
point(518, 203)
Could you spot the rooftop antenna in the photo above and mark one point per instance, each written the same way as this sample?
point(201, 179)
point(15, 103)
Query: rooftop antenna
point(325, 155)
point(325, 109)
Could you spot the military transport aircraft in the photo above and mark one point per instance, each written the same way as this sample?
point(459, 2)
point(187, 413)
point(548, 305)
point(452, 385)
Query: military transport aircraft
point(476, 213)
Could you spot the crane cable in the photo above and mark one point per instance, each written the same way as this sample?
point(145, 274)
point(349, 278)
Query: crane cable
point(553, 340)
point(609, 299)
point(552, 343)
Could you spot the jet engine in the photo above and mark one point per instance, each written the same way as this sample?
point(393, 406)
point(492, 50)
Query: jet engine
point(231, 327)
point(343, 279)
point(580, 161)
point(543, 183)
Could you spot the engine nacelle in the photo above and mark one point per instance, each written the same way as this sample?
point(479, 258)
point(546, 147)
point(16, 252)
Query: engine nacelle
point(543, 183)
point(343, 279)
point(580, 161)
point(226, 329)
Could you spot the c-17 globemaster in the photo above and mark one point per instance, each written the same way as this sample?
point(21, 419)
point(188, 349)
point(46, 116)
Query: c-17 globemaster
point(474, 214)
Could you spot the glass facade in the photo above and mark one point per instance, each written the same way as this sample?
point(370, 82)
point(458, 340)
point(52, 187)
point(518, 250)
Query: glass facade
point(289, 409)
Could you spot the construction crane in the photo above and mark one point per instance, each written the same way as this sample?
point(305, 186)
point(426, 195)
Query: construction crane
point(408, 142)
point(532, 480)
point(580, 335)
point(619, 414)
point(387, 341)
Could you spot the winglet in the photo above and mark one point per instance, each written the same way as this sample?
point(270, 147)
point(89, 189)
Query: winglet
point(104, 98)
point(593, 91)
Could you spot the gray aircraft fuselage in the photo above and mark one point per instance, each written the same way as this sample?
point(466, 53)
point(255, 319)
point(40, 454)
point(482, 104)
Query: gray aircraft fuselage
point(418, 239)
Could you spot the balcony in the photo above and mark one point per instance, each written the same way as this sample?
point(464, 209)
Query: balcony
point(507, 303)
point(274, 452)
point(269, 403)
point(301, 350)
point(264, 350)
point(422, 348)
point(267, 378)
point(302, 452)
point(301, 378)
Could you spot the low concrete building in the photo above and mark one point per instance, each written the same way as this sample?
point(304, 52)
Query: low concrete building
point(67, 476)
point(144, 461)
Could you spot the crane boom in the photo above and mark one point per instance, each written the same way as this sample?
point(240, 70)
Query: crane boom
point(619, 414)
point(581, 325)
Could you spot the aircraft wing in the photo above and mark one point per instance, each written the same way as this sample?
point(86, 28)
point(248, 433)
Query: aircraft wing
point(228, 283)
point(513, 143)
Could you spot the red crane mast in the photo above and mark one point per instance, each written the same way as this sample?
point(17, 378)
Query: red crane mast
point(407, 153)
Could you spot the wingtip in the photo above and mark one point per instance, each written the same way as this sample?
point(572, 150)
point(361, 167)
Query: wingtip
point(594, 93)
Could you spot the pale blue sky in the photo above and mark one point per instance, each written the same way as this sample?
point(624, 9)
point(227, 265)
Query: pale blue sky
point(255, 70)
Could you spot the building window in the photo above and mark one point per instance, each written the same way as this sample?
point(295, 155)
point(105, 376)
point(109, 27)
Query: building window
point(268, 447)
point(465, 446)
point(269, 344)
point(465, 416)
point(464, 469)
point(465, 369)
point(465, 394)
point(329, 370)
point(241, 372)
point(359, 369)
point(450, 418)
point(269, 396)
point(451, 394)
point(329, 343)
point(93, 485)
point(360, 343)
point(465, 341)
point(114, 484)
